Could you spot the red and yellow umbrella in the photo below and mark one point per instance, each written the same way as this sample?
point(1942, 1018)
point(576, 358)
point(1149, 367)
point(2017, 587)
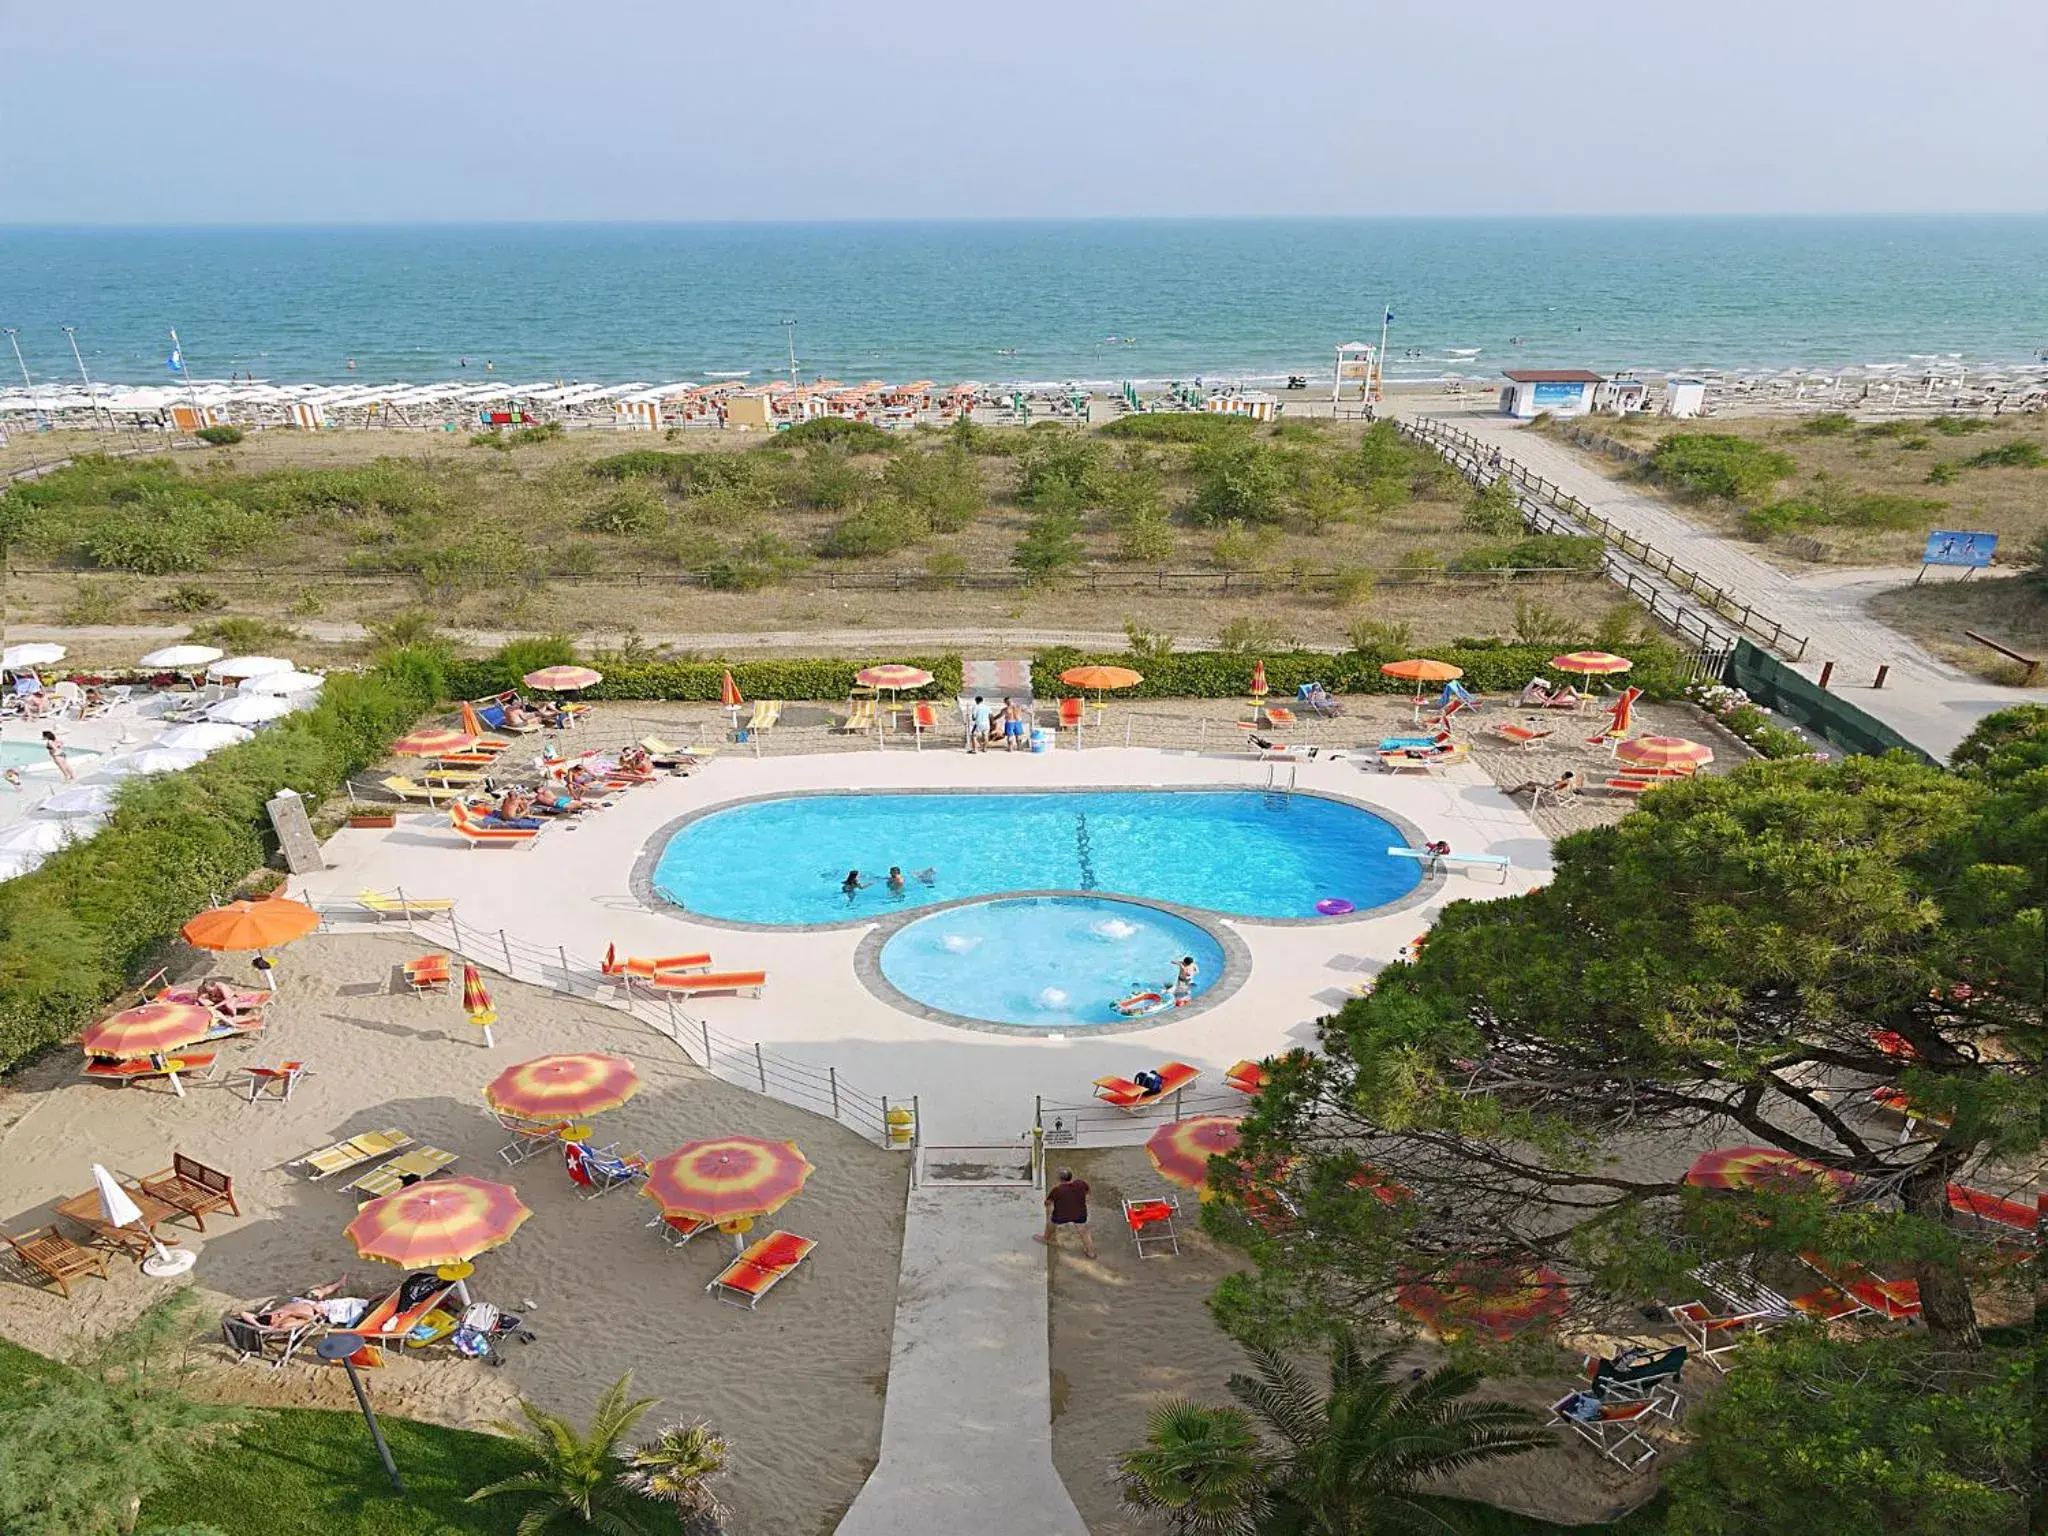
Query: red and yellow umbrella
point(1761, 1168)
point(892, 675)
point(1496, 1299)
point(1664, 752)
point(149, 1030)
point(729, 692)
point(566, 1087)
point(1182, 1149)
point(1592, 663)
point(436, 1223)
point(476, 1000)
point(1259, 688)
point(561, 679)
point(432, 743)
point(1101, 679)
point(729, 1180)
point(261, 924)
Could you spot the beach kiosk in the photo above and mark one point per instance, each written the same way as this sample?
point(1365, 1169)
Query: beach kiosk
point(1685, 397)
point(1558, 391)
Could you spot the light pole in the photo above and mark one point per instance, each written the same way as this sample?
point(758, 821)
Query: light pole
point(71, 335)
point(339, 1347)
point(14, 340)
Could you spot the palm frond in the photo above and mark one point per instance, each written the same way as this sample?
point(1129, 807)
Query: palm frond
point(518, 1482)
point(1282, 1396)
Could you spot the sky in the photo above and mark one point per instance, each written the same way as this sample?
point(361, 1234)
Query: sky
point(251, 111)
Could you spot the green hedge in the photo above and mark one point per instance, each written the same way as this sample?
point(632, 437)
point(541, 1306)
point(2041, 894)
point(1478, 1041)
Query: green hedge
point(698, 681)
point(76, 931)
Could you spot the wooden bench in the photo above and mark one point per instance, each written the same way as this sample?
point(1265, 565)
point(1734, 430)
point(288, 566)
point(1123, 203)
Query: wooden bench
point(50, 1254)
point(193, 1188)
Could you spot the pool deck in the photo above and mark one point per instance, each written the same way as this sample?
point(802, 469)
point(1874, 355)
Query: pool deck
point(573, 887)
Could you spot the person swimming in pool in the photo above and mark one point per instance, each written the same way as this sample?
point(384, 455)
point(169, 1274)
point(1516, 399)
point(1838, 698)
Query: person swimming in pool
point(895, 880)
point(851, 884)
point(1184, 979)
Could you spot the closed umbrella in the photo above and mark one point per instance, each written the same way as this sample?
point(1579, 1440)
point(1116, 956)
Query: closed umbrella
point(1259, 687)
point(151, 760)
point(47, 836)
point(249, 709)
point(249, 666)
point(476, 1001)
point(180, 658)
point(37, 653)
point(729, 696)
point(118, 1209)
point(206, 736)
point(283, 684)
point(79, 800)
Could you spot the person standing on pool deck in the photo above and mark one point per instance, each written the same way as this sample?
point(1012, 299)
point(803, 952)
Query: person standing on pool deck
point(1013, 726)
point(56, 751)
point(1184, 980)
point(1066, 1205)
point(978, 725)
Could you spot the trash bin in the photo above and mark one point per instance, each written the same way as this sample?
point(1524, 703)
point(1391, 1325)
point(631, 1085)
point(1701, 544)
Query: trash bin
point(1041, 739)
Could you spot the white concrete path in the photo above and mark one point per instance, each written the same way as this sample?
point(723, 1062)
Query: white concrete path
point(1929, 702)
point(967, 1429)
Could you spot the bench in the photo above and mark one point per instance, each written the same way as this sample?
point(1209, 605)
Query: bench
point(1432, 860)
point(193, 1188)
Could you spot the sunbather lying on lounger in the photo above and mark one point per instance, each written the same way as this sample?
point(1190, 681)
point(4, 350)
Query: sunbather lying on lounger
point(1538, 695)
point(1565, 784)
point(320, 1304)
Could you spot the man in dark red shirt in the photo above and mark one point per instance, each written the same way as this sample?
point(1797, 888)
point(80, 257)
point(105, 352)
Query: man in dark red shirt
point(1066, 1205)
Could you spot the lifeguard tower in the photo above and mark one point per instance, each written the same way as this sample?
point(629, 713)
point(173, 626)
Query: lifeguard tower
point(1356, 362)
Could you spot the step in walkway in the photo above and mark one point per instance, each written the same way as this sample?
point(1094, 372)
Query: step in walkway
point(967, 1427)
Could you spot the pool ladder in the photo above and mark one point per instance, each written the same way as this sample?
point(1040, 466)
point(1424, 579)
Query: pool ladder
point(1277, 788)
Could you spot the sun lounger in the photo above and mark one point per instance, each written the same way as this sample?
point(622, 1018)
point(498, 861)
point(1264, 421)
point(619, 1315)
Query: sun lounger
point(429, 973)
point(476, 832)
point(1432, 860)
point(383, 906)
point(1615, 1430)
point(1523, 736)
point(1245, 1077)
point(1151, 1224)
point(405, 789)
point(860, 716)
point(1122, 1093)
point(600, 1170)
point(193, 1188)
point(767, 714)
point(1715, 1334)
point(387, 1323)
point(197, 1065)
point(1985, 1212)
point(749, 982)
point(49, 1253)
point(1634, 1373)
point(529, 1137)
point(388, 1178)
point(493, 716)
point(1627, 784)
point(637, 969)
point(1071, 714)
point(353, 1153)
point(1896, 1301)
point(1277, 716)
point(255, 1341)
point(1406, 762)
point(677, 1231)
point(284, 1077)
point(765, 1264)
point(1437, 743)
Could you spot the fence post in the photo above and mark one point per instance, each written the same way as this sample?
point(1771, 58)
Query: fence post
point(562, 954)
point(672, 1020)
point(506, 945)
point(760, 1066)
point(455, 927)
point(705, 1025)
point(405, 907)
point(832, 1077)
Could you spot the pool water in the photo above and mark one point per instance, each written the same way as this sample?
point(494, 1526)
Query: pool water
point(29, 755)
point(1244, 853)
point(1046, 962)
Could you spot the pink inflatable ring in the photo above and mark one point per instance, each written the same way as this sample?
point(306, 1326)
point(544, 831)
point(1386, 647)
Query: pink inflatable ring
point(1334, 906)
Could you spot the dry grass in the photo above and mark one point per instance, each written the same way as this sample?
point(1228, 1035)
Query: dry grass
point(2009, 610)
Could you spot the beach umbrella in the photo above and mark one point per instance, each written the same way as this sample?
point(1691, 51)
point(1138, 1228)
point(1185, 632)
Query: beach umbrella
point(282, 684)
point(1181, 1149)
point(249, 709)
point(730, 1181)
point(1592, 664)
point(565, 1087)
point(180, 658)
point(148, 1030)
point(249, 666)
point(79, 800)
point(118, 1209)
point(432, 743)
point(206, 736)
point(1101, 679)
point(1419, 670)
point(476, 1001)
point(263, 923)
point(1259, 688)
point(1496, 1299)
point(151, 760)
point(46, 836)
point(1664, 752)
point(562, 679)
point(729, 696)
point(14, 865)
point(1762, 1168)
point(440, 1224)
point(892, 675)
point(38, 653)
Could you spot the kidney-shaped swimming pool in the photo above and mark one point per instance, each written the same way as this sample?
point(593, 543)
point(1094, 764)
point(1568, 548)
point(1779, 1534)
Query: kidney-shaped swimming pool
point(1242, 853)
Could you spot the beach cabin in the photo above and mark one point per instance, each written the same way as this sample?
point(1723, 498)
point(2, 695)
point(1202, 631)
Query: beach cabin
point(1622, 395)
point(1558, 391)
point(751, 409)
point(1256, 404)
point(1685, 397)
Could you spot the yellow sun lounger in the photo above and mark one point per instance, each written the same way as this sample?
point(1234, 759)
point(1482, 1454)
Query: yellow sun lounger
point(354, 1152)
point(860, 716)
point(404, 906)
point(766, 713)
point(436, 795)
point(419, 1163)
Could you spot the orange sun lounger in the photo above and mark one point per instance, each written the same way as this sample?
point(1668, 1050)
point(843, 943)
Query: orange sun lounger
point(429, 973)
point(691, 984)
point(1991, 1212)
point(646, 970)
point(767, 1262)
point(385, 1324)
point(1245, 1077)
point(474, 832)
point(194, 1064)
point(1122, 1093)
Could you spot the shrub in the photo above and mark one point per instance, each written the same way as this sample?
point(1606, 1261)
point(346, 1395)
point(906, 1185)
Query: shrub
point(1050, 547)
point(1536, 624)
point(243, 636)
point(97, 602)
point(1494, 509)
point(760, 561)
point(945, 487)
point(945, 565)
point(1944, 472)
point(630, 509)
point(1717, 464)
point(1244, 635)
point(632, 465)
point(1538, 552)
point(1958, 426)
point(192, 599)
point(1146, 538)
point(1238, 480)
point(156, 533)
point(2016, 455)
point(1059, 471)
point(219, 437)
point(1829, 424)
point(1388, 638)
point(1238, 548)
point(1352, 585)
point(837, 432)
point(1194, 427)
point(880, 528)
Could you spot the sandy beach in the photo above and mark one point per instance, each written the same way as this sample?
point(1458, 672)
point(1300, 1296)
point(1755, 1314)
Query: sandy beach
point(797, 1383)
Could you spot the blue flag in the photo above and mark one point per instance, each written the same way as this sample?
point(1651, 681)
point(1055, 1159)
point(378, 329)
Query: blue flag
point(1390, 316)
point(176, 361)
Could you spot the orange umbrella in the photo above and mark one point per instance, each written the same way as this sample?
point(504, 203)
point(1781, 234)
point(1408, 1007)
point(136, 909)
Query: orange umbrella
point(1590, 664)
point(150, 1030)
point(432, 743)
point(472, 722)
point(1181, 1150)
point(443, 1222)
point(729, 1180)
point(1664, 752)
point(262, 924)
point(1101, 679)
point(1259, 689)
point(565, 1087)
point(1499, 1300)
point(476, 1000)
point(1420, 670)
point(729, 692)
point(560, 679)
point(1765, 1168)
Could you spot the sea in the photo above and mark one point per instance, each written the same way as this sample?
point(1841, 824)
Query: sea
point(1036, 302)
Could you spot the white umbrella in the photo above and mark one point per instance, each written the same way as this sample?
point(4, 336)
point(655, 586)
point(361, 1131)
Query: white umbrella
point(283, 682)
point(207, 736)
point(81, 800)
point(150, 760)
point(248, 709)
point(45, 836)
point(249, 666)
point(14, 865)
point(180, 657)
point(35, 654)
point(118, 1209)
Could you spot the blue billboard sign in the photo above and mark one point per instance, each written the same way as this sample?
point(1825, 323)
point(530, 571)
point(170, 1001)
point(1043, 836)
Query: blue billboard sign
point(1553, 393)
point(1946, 547)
